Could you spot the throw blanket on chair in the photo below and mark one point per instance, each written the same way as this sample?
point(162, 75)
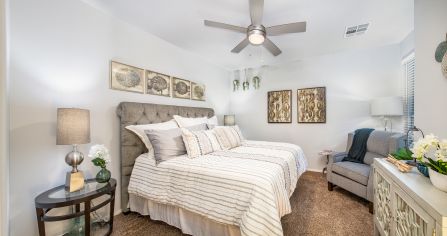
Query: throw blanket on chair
point(358, 148)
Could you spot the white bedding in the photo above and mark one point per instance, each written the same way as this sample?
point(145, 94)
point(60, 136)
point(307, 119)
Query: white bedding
point(248, 186)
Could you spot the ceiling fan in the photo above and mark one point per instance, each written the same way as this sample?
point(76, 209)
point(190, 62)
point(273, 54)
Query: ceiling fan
point(256, 32)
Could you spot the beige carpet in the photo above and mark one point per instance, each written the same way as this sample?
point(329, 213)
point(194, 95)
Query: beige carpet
point(315, 211)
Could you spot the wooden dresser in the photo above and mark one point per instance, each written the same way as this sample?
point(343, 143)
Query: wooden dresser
point(407, 203)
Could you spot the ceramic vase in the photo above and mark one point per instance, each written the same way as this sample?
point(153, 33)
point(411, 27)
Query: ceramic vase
point(438, 180)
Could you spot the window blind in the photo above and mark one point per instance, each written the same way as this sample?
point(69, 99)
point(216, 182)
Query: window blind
point(409, 70)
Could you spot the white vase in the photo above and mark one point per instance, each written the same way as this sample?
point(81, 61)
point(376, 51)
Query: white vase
point(438, 180)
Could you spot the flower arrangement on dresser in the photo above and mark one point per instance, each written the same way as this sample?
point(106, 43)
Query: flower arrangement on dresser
point(432, 153)
point(100, 157)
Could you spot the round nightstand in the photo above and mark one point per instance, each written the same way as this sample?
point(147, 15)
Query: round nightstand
point(59, 197)
point(326, 153)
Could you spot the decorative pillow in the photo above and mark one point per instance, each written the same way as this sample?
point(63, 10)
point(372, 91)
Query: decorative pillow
point(139, 130)
point(199, 143)
point(168, 144)
point(184, 122)
point(228, 136)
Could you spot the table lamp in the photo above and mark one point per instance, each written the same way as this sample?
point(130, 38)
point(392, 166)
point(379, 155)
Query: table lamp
point(387, 107)
point(229, 120)
point(73, 128)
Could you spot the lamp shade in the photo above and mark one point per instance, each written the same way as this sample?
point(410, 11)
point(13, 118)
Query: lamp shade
point(73, 126)
point(229, 120)
point(387, 106)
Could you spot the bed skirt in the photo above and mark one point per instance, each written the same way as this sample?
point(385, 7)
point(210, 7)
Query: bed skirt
point(188, 222)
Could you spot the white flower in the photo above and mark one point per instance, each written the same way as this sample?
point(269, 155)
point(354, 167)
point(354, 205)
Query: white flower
point(430, 147)
point(99, 151)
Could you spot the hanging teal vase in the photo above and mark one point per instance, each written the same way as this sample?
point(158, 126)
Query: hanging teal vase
point(103, 176)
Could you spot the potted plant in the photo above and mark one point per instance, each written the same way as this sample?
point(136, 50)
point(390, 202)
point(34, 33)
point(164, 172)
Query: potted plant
point(433, 153)
point(100, 157)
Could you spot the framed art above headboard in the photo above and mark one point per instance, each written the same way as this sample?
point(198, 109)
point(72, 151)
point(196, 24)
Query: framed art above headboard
point(131, 113)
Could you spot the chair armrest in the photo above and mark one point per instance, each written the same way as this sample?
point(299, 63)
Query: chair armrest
point(333, 158)
point(337, 157)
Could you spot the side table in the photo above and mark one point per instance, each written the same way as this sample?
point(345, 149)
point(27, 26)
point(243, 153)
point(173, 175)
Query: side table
point(326, 153)
point(59, 197)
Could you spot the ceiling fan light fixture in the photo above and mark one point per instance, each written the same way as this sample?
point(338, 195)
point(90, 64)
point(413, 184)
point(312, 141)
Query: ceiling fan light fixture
point(256, 39)
point(256, 34)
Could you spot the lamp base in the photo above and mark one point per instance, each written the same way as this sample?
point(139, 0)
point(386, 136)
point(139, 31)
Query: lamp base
point(74, 181)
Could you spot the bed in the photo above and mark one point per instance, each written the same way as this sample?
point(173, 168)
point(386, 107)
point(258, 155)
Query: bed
point(241, 191)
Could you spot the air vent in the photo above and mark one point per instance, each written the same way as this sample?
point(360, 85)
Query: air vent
point(356, 30)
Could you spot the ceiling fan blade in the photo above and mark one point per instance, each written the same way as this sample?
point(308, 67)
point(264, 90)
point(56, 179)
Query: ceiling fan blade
point(225, 26)
point(271, 47)
point(256, 11)
point(296, 27)
point(240, 46)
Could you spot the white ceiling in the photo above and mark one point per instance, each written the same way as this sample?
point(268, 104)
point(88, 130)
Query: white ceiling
point(181, 23)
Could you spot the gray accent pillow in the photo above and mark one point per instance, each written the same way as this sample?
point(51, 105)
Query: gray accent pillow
point(168, 144)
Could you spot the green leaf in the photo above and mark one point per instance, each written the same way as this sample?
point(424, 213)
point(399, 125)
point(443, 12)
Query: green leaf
point(403, 154)
point(438, 166)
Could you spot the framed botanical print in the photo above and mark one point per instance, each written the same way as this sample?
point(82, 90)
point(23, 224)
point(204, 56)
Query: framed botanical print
point(279, 106)
point(312, 105)
point(197, 91)
point(158, 84)
point(181, 88)
point(126, 78)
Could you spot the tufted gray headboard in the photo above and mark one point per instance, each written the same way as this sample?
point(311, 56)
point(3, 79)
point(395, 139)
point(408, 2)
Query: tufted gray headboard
point(131, 113)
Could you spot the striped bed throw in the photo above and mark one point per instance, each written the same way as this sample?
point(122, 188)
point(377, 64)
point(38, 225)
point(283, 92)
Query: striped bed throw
point(248, 186)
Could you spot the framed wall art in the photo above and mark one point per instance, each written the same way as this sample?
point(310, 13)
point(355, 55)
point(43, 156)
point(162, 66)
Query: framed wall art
point(181, 88)
point(279, 106)
point(312, 105)
point(197, 91)
point(158, 84)
point(126, 78)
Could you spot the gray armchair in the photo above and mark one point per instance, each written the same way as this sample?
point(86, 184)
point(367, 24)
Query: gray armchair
point(357, 177)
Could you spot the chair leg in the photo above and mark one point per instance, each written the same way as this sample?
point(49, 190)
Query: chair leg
point(330, 186)
point(371, 207)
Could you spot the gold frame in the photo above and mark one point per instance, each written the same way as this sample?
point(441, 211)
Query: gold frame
point(111, 73)
point(290, 112)
point(204, 91)
point(145, 81)
point(188, 82)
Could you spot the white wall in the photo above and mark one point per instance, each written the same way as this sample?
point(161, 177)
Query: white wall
point(407, 45)
point(431, 86)
point(351, 79)
point(4, 134)
point(60, 53)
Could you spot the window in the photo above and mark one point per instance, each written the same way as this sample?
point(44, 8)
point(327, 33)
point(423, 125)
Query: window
point(409, 76)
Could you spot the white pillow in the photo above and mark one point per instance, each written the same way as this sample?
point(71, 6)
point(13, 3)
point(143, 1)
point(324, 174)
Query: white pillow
point(228, 136)
point(184, 122)
point(139, 130)
point(199, 143)
point(213, 121)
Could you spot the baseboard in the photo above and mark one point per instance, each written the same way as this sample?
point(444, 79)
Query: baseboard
point(117, 212)
point(314, 170)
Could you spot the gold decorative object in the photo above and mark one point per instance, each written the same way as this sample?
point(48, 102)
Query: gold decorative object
point(279, 106)
point(312, 105)
point(400, 165)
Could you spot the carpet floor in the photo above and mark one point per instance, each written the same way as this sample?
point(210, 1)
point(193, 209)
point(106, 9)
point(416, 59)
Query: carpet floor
point(315, 211)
